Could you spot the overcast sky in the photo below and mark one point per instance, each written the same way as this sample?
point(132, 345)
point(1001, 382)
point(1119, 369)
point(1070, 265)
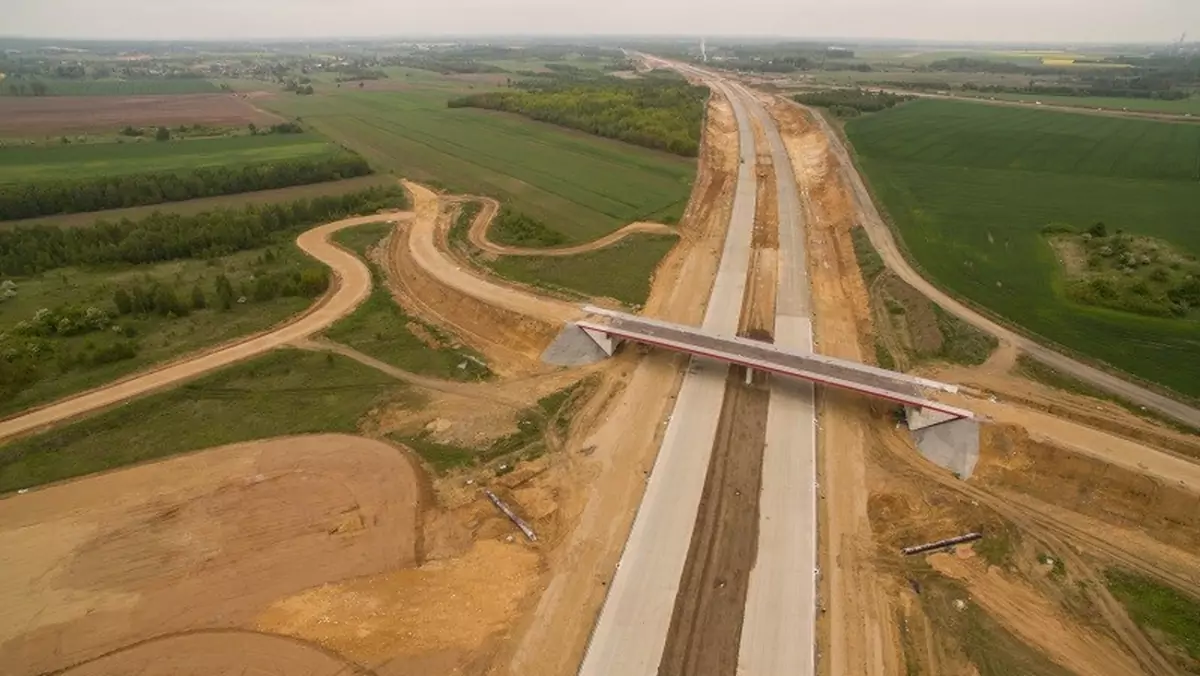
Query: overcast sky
point(967, 20)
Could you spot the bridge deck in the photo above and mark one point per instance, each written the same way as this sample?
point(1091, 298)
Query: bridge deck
point(773, 359)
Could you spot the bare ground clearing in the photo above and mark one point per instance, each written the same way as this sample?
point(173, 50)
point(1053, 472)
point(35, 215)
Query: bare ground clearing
point(31, 116)
point(201, 541)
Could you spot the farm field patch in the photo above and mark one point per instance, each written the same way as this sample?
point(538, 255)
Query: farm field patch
point(21, 164)
point(581, 186)
point(25, 116)
point(1181, 107)
point(114, 87)
point(970, 189)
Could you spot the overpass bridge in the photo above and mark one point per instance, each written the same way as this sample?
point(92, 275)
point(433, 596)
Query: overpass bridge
point(611, 327)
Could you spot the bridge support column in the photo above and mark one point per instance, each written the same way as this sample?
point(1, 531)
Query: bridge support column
point(919, 417)
point(603, 340)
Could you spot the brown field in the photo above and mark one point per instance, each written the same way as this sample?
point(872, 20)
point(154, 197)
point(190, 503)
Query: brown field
point(31, 116)
point(196, 206)
point(196, 546)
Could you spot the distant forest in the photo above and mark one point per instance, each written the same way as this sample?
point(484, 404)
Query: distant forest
point(659, 113)
point(160, 236)
point(44, 198)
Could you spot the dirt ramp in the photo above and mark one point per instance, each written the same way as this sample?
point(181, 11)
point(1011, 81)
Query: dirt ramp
point(197, 542)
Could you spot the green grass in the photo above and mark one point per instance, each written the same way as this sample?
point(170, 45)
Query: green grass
point(961, 342)
point(1167, 614)
point(361, 238)
point(284, 392)
point(32, 163)
point(622, 271)
point(578, 185)
point(1181, 107)
point(159, 338)
point(970, 187)
point(382, 329)
point(115, 87)
point(870, 263)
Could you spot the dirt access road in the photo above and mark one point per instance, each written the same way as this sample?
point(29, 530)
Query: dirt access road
point(478, 234)
point(352, 285)
point(885, 243)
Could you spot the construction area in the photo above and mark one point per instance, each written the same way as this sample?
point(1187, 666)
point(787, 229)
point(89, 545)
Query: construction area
point(744, 510)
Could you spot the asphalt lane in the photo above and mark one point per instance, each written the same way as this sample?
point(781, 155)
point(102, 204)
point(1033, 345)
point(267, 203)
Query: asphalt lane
point(631, 632)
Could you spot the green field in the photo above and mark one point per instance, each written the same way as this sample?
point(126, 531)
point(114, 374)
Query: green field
point(1181, 107)
point(582, 186)
point(24, 164)
point(284, 392)
point(621, 271)
point(971, 187)
point(64, 87)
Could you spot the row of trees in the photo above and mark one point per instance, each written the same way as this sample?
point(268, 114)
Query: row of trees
point(851, 102)
point(163, 236)
point(661, 114)
point(44, 198)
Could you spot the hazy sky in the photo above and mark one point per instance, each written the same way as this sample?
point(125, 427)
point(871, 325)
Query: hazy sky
point(997, 20)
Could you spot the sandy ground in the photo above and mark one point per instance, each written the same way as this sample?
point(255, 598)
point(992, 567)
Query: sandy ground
point(201, 541)
point(1036, 619)
point(36, 115)
point(352, 284)
point(478, 234)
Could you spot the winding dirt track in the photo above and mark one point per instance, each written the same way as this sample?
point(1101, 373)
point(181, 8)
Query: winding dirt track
point(423, 246)
point(885, 243)
point(478, 234)
point(352, 284)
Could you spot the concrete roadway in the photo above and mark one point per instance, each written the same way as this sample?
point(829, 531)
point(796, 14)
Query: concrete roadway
point(778, 626)
point(631, 632)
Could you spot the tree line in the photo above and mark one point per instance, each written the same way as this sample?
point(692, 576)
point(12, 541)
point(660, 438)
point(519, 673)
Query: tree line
point(45, 198)
point(660, 114)
point(161, 236)
point(851, 102)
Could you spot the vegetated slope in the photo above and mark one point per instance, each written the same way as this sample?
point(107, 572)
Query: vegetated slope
point(971, 188)
point(42, 181)
point(580, 186)
point(655, 113)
